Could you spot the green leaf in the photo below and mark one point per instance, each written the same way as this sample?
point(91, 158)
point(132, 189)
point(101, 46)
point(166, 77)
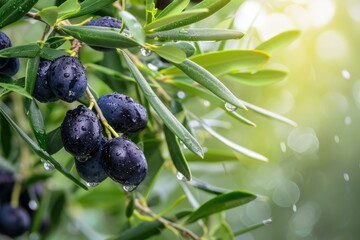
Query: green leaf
point(166, 116)
point(258, 78)
point(49, 15)
point(51, 54)
point(239, 117)
point(209, 81)
point(142, 231)
point(166, 21)
point(53, 141)
point(130, 205)
point(134, 26)
point(234, 146)
point(213, 155)
point(109, 72)
point(36, 122)
point(100, 36)
point(172, 54)
point(175, 7)
point(207, 187)
point(253, 227)
point(40, 152)
point(16, 88)
point(90, 6)
point(55, 42)
point(13, 10)
point(68, 8)
point(222, 62)
point(200, 11)
point(223, 232)
point(31, 74)
point(279, 41)
point(221, 203)
point(176, 154)
point(188, 48)
point(23, 51)
point(196, 34)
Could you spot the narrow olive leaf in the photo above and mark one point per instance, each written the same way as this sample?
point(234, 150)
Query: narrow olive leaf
point(51, 53)
point(13, 10)
point(258, 78)
point(110, 72)
point(176, 154)
point(49, 15)
point(68, 8)
point(209, 81)
point(213, 155)
point(223, 232)
point(222, 62)
point(164, 23)
point(23, 51)
point(36, 122)
point(166, 116)
point(188, 48)
point(31, 74)
point(240, 118)
point(279, 41)
point(53, 141)
point(142, 231)
point(130, 205)
point(196, 34)
point(100, 36)
point(40, 152)
point(90, 6)
point(175, 7)
point(253, 227)
point(134, 26)
point(204, 186)
point(221, 203)
point(270, 114)
point(172, 54)
point(211, 7)
point(16, 88)
point(234, 146)
point(55, 42)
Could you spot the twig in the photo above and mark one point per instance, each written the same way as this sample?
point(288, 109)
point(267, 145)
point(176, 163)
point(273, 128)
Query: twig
point(184, 231)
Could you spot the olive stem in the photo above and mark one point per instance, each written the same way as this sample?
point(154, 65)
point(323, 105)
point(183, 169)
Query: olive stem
point(15, 194)
point(109, 130)
point(184, 231)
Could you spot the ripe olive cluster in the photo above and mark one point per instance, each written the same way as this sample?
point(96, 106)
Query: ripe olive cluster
point(8, 66)
point(16, 220)
point(96, 157)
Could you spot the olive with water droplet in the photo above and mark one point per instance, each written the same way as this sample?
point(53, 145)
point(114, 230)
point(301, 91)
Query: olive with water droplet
point(42, 91)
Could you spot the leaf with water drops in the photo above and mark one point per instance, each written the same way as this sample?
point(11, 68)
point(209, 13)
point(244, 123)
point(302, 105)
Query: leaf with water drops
point(209, 81)
point(221, 203)
point(23, 51)
point(90, 6)
point(166, 116)
point(175, 7)
point(134, 26)
point(258, 78)
point(39, 151)
point(195, 34)
point(100, 36)
point(13, 10)
point(279, 41)
point(221, 62)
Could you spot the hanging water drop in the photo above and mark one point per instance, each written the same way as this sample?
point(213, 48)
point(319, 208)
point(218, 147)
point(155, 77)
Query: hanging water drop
point(47, 165)
point(336, 139)
point(33, 205)
point(283, 147)
point(129, 188)
point(267, 221)
point(230, 107)
point(92, 184)
point(294, 208)
point(346, 177)
point(145, 52)
point(346, 74)
point(181, 94)
point(181, 177)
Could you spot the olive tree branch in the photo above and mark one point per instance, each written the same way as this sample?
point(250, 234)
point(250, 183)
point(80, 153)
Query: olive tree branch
point(184, 231)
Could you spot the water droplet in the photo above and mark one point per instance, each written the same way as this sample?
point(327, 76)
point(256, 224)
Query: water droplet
point(336, 139)
point(145, 52)
point(283, 147)
point(267, 221)
point(47, 165)
point(294, 208)
point(181, 177)
point(184, 30)
point(183, 145)
point(345, 74)
point(230, 107)
point(152, 67)
point(92, 184)
point(181, 94)
point(206, 103)
point(33, 205)
point(129, 188)
point(347, 120)
point(346, 177)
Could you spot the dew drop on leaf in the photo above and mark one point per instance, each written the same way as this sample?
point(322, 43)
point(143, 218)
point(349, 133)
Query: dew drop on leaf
point(47, 165)
point(145, 52)
point(230, 107)
point(92, 184)
point(129, 188)
point(181, 177)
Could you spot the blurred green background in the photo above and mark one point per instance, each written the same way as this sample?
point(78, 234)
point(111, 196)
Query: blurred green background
point(309, 188)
